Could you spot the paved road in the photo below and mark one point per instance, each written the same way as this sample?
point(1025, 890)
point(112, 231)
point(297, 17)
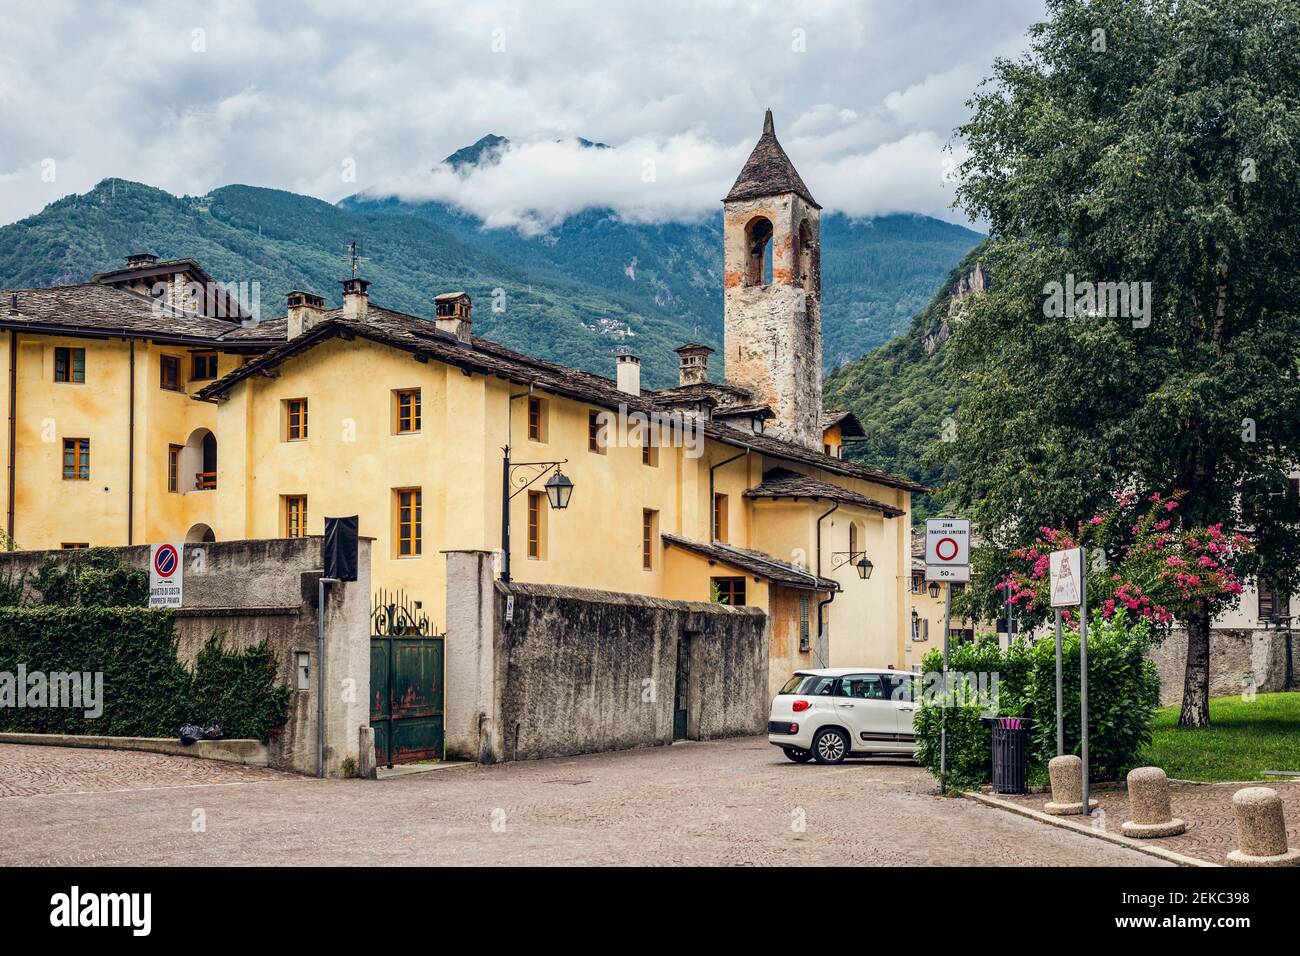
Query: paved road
point(725, 802)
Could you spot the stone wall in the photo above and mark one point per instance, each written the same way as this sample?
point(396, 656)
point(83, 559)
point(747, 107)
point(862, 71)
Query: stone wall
point(543, 671)
point(266, 590)
point(1239, 660)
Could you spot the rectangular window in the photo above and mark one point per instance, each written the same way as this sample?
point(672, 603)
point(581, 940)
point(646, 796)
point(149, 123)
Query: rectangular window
point(595, 438)
point(536, 419)
point(648, 521)
point(917, 583)
point(536, 515)
point(729, 591)
point(295, 419)
point(649, 452)
point(69, 365)
point(203, 367)
point(76, 459)
point(169, 372)
point(805, 636)
point(408, 410)
point(173, 467)
point(1272, 606)
point(410, 522)
point(719, 517)
point(295, 516)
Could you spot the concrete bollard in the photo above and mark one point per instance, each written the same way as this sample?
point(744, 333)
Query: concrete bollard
point(1261, 830)
point(1148, 804)
point(1066, 772)
point(366, 765)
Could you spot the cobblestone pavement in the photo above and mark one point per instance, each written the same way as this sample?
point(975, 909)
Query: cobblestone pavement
point(726, 802)
point(1205, 807)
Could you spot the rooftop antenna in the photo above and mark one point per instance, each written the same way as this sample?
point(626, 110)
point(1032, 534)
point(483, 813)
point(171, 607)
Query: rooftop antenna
point(355, 256)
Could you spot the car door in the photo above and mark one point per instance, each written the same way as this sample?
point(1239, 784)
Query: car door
point(902, 697)
point(864, 705)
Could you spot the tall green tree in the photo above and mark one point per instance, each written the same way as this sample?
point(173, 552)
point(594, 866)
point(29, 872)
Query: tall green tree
point(1136, 142)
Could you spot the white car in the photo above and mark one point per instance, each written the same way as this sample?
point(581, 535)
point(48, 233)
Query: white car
point(836, 712)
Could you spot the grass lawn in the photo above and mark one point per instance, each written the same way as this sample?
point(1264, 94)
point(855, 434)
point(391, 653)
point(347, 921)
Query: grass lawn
point(1243, 739)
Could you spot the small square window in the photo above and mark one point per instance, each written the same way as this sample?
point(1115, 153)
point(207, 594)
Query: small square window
point(410, 522)
point(76, 459)
point(169, 373)
point(729, 591)
point(536, 419)
point(295, 419)
point(69, 365)
point(408, 410)
point(203, 367)
point(295, 516)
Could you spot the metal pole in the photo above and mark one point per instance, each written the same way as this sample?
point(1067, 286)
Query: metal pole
point(1083, 671)
point(943, 713)
point(505, 515)
point(1060, 716)
point(320, 673)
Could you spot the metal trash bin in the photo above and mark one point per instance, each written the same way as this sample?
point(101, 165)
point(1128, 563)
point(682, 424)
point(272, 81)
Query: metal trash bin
point(1010, 755)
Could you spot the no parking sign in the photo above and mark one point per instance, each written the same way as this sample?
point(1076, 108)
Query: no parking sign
point(166, 575)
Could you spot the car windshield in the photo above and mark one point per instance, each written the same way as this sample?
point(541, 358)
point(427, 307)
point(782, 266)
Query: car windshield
point(810, 684)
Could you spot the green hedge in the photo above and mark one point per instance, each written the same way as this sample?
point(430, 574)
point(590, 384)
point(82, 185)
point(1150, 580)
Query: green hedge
point(1123, 691)
point(147, 692)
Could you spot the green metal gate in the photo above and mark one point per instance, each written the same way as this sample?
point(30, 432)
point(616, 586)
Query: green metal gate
point(406, 674)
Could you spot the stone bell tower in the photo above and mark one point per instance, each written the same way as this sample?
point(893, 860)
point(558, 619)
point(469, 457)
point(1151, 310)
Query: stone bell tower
point(772, 291)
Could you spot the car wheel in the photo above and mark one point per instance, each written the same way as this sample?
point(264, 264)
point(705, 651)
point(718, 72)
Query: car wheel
point(830, 746)
point(797, 754)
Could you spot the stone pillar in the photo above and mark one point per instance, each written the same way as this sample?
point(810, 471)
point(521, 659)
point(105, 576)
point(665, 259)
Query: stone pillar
point(471, 707)
point(366, 766)
point(1261, 830)
point(1148, 804)
point(1066, 772)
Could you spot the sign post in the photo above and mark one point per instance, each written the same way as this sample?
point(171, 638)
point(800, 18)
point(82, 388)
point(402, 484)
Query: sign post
point(166, 575)
point(1069, 588)
point(947, 559)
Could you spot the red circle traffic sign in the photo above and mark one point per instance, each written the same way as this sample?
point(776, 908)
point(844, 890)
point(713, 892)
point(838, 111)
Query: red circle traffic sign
point(941, 546)
point(166, 560)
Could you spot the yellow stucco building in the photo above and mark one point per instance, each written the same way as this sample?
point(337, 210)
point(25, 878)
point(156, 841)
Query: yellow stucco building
point(144, 407)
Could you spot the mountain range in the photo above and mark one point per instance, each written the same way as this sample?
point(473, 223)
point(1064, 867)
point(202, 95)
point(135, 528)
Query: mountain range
point(578, 294)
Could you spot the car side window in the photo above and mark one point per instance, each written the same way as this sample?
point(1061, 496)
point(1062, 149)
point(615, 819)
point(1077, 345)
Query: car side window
point(864, 687)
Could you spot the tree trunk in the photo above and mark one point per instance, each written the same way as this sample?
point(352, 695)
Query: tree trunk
point(1196, 679)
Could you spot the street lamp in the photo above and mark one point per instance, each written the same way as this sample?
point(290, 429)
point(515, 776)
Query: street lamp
point(559, 489)
point(861, 563)
point(934, 590)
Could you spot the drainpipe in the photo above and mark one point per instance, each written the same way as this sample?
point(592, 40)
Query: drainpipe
point(712, 469)
point(320, 675)
point(821, 605)
point(13, 420)
point(130, 454)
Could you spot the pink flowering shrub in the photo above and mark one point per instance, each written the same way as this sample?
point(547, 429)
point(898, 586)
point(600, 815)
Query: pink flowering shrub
point(1159, 573)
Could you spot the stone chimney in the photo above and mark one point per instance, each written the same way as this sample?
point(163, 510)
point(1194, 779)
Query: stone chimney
point(452, 312)
point(629, 373)
point(141, 260)
point(694, 369)
point(305, 310)
point(356, 299)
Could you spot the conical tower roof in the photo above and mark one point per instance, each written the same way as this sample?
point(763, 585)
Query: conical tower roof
point(768, 171)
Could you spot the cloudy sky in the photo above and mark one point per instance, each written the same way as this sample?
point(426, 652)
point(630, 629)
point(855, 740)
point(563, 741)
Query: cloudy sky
point(331, 98)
